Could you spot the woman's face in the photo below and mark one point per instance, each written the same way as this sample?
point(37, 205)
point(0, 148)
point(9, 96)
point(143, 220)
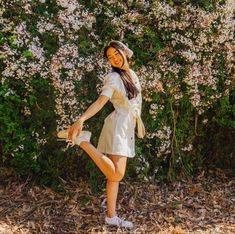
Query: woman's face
point(115, 58)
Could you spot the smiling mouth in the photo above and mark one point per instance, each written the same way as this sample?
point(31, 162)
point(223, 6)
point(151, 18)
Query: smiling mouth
point(118, 64)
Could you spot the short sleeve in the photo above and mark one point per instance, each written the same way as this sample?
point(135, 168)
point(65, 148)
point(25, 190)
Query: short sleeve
point(110, 84)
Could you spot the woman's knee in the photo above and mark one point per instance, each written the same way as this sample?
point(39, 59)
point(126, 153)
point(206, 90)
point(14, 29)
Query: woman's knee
point(118, 176)
point(120, 167)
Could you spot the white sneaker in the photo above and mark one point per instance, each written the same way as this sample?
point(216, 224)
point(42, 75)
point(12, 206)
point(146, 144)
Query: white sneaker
point(83, 136)
point(116, 221)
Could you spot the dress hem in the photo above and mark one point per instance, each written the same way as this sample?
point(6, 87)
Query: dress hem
point(119, 154)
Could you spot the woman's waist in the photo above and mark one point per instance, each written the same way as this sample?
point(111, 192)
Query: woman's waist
point(122, 114)
point(122, 121)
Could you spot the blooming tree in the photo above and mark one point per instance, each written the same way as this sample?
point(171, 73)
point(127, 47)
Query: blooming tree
point(51, 61)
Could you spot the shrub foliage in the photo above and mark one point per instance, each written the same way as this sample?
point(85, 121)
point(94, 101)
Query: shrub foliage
point(52, 69)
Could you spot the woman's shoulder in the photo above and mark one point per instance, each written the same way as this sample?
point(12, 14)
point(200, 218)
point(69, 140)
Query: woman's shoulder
point(134, 72)
point(113, 74)
point(135, 77)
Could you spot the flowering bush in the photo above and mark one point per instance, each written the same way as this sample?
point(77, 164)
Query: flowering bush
point(52, 69)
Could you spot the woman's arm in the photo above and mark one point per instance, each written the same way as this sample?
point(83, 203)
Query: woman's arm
point(94, 108)
point(74, 130)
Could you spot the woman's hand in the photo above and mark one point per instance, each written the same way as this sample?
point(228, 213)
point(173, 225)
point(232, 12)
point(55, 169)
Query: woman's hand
point(74, 130)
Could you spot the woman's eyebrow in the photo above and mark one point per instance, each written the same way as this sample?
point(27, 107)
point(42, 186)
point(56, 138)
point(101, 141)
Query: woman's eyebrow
point(116, 52)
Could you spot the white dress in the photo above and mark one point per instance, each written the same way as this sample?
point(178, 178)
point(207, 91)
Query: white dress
point(118, 133)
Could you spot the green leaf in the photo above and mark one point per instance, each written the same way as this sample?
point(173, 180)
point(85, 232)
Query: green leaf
point(27, 54)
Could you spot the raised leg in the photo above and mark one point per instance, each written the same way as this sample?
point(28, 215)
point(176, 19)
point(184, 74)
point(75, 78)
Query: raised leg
point(105, 164)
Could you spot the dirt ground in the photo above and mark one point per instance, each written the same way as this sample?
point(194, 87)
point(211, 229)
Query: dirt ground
point(204, 204)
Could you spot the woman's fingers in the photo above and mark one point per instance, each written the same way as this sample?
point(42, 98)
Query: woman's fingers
point(74, 135)
point(70, 133)
point(74, 131)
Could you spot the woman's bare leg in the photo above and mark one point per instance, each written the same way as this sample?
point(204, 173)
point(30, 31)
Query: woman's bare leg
point(105, 164)
point(113, 186)
point(113, 167)
point(112, 193)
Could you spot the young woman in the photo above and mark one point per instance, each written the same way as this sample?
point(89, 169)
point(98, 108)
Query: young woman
point(117, 139)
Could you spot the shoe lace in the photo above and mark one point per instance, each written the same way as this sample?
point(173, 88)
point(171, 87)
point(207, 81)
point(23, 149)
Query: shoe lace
point(120, 221)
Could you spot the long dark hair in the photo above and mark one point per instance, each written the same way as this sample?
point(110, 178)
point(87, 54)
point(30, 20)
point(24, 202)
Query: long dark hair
point(130, 87)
